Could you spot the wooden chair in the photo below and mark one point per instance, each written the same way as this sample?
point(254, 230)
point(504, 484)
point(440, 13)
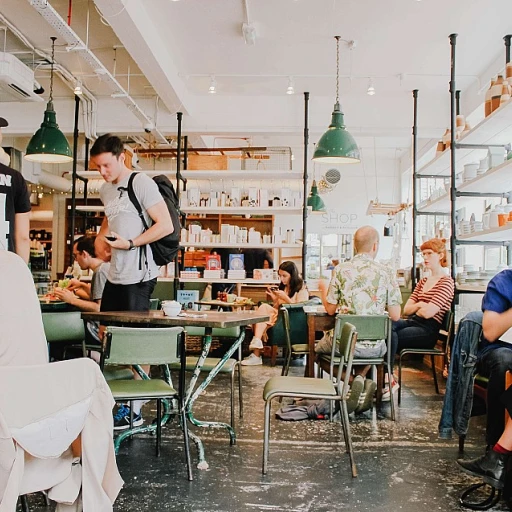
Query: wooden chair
point(446, 333)
point(303, 387)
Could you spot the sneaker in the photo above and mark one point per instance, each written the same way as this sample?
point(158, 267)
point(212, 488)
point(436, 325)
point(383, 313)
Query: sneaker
point(386, 397)
point(366, 398)
point(122, 418)
point(255, 343)
point(252, 360)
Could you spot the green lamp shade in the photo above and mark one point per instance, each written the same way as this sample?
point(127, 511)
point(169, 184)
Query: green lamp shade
point(49, 144)
point(314, 200)
point(336, 145)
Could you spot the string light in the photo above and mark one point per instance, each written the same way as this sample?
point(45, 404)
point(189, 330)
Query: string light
point(78, 88)
point(371, 89)
point(291, 88)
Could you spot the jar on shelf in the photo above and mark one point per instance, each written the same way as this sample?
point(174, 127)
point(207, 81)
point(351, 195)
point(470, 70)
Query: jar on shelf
point(488, 99)
point(505, 93)
point(447, 138)
point(496, 91)
point(508, 71)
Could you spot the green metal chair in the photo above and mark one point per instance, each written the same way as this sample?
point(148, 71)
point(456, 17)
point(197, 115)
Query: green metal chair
point(295, 324)
point(446, 332)
point(230, 367)
point(148, 346)
point(369, 327)
point(303, 387)
point(65, 327)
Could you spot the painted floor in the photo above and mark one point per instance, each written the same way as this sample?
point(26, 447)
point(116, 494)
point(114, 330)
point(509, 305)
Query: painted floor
point(402, 465)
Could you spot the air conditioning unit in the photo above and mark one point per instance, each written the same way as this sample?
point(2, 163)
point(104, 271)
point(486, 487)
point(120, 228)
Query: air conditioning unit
point(16, 80)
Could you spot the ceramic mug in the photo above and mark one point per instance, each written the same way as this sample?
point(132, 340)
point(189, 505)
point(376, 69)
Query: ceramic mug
point(493, 220)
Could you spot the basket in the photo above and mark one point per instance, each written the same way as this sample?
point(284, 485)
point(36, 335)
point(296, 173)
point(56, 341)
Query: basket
point(207, 162)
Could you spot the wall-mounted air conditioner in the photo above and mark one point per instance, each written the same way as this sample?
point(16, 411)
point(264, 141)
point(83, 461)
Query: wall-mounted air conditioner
point(16, 80)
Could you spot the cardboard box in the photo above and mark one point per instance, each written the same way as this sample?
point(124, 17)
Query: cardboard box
point(207, 163)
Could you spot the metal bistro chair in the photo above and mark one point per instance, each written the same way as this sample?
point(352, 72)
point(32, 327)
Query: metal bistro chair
point(148, 346)
point(65, 327)
point(230, 366)
point(372, 328)
point(295, 333)
point(303, 387)
point(446, 331)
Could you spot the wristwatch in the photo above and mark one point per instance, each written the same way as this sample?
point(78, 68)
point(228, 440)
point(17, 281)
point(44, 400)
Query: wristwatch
point(131, 245)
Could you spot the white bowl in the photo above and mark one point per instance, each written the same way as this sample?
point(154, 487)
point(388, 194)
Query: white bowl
point(171, 307)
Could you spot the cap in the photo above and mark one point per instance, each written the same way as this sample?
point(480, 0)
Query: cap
point(3, 122)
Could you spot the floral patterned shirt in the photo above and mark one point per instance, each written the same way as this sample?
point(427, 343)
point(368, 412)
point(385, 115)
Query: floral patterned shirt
point(363, 286)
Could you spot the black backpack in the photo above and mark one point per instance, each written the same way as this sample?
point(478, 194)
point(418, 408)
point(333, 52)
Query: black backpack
point(165, 249)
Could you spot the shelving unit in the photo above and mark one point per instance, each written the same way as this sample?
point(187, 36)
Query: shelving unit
point(219, 245)
point(232, 210)
point(495, 129)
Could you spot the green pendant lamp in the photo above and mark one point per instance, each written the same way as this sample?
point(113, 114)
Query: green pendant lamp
point(315, 202)
point(336, 145)
point(49, 144)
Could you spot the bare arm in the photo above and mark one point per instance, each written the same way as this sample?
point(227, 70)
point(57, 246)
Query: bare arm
point(495, 324)
point(69, 297)
point(428, 310)
point(162, 226)
point(21, 235)
point(394, 312)
point(329, 308)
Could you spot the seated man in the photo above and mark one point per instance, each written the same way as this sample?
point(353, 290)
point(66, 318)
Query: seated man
point(492, 466)
point(363, 286)
point(495, 355)
point(82, 295)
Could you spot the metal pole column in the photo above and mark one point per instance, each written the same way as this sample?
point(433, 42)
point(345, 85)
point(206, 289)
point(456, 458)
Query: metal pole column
point(305, 190)
point(507, 48)
point(414, 187)
point(176, 281)
point(73, 179)
point(453, 191)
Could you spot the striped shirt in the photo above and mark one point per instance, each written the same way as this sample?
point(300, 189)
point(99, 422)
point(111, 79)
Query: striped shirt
point(441, 294)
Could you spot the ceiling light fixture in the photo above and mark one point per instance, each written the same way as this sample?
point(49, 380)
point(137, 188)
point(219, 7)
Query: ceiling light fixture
point(213, 86)
point(49, 144)
point(315, 202)
point(290, 89)
point(336, 145)
point(78, 88)
point(371, 89)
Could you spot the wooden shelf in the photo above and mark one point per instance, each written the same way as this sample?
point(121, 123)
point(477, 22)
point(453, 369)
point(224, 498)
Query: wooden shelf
point(251, 282)
point(260, 174)
point(470, 288)
point(235, 245)
point(257, 210)
point(494, 129)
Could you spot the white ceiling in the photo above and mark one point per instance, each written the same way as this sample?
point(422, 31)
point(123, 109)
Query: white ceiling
point(178, 45)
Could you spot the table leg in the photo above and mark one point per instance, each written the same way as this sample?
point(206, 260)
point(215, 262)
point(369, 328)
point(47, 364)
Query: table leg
point(311, 342)
point(192, 394)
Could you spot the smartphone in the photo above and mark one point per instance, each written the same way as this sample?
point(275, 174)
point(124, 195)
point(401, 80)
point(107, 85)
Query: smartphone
point(111, 238)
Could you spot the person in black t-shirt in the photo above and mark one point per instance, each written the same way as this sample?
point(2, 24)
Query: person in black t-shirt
point(14, 210)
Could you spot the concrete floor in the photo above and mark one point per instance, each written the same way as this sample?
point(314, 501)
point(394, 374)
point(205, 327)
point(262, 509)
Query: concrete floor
point(402, 465)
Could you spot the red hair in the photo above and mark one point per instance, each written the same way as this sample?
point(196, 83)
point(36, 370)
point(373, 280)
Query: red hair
point(437, 245)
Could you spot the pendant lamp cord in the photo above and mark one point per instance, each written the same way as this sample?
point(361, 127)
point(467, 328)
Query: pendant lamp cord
point(53, 38)
point(337, 68)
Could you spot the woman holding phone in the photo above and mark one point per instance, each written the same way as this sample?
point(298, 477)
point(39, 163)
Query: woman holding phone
point(291, 290)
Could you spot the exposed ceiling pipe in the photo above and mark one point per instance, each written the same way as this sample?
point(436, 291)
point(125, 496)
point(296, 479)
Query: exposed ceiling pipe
point(89, 102)
point(53, 18)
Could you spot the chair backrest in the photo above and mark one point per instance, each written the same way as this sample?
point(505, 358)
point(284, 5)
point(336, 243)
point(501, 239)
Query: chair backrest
point(345, 337)
point(447, 326)
point(297, 330)
point(369, 327)
point(64, 326)
point(142, 345)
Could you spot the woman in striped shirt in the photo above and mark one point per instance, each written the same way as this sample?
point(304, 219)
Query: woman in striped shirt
point(428, 304)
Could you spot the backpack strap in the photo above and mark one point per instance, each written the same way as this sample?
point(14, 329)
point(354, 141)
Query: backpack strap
point(138, 207)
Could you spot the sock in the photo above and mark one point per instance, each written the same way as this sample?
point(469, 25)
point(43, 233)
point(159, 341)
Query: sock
point(137, 406)
point(499, 449)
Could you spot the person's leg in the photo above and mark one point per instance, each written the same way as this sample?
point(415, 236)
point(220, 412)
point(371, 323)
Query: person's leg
point(494, 364)
point(259, 329)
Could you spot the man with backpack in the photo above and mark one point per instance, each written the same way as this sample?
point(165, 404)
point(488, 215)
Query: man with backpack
point(133, 271)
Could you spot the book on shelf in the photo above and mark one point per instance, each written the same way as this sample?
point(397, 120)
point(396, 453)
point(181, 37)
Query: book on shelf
point(236, 274)
point(187, 299)
point(212, 274)
point(236, 262)
point(213, 262)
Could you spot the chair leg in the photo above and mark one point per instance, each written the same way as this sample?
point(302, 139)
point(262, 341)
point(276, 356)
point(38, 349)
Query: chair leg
point(391, 394)
point(24, 503)
point(232, 398)
point(46, 499)
point(266, 435)
point(186, 440)
point(273, 355)
point(158, 426)
point(399, 379)
point(462, 439)
point(345, 425)
point(240, 393)
point(432, 360)
point(286, 366)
